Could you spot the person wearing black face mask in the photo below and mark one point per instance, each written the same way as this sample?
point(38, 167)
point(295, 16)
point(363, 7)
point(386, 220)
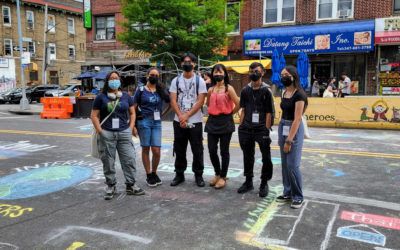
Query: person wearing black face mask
point(148, 100)
point(188, 92)
point(255, 123)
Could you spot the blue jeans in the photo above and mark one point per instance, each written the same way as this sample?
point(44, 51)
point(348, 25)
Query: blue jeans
point(291, 174)
point(121, 141)
point(149, 132)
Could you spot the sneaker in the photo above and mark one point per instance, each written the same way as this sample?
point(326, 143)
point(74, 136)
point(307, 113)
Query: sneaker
point(296, 204)
point(283, 198)
point(134, 190)
point(157, 179)
point(151, 181)
point(264, 189)
point(246, 187)
point(109, 192)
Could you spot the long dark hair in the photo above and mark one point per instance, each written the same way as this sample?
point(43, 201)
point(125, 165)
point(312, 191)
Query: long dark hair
point(160, 87)
point(226, 76)
point(296, 81)
point(106, 88)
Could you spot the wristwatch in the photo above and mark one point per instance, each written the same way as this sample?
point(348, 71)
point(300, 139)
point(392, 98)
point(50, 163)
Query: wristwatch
point(289, 141)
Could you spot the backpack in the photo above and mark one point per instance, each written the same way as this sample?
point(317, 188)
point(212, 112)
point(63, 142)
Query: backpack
point(139, 115)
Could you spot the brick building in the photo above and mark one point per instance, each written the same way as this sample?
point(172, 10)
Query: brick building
point(266, 16)
point(65, 40)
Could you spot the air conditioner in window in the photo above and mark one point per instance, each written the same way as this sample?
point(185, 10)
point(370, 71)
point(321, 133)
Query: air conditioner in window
point(343, 13)
point(100, 37)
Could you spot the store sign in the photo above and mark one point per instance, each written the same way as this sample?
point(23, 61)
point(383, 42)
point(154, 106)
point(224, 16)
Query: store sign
point(320, 38)
point(387, 30)
point(137, 54)
point(87, 15)
point(390, 90)
point(16, 48)
point(3, 63)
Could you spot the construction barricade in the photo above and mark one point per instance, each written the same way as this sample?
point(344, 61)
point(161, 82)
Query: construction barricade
point(56, 108)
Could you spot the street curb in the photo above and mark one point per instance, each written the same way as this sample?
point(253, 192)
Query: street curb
point(24, 112)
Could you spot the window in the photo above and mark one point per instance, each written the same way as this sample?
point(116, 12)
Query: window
point(31, 48)
point(330, 9)
point(8, 49)
point(277, 11)
point(232, 12)
point(396, 6)
point(30, 20)
point(6, 15)
point(71, 52)
point(71, 26)
point(51, 23)
point(105, 28)
point(52, 51)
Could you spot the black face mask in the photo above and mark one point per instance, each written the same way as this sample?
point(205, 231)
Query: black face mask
point(286, 81)
point(187, 67)
point(218, 78)
point(153, 79)
point(255, 76)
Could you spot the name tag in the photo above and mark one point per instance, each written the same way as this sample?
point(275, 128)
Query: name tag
point(157, 116)
point(187, 104)
point(115, 123)
point(285, 131)
point(255, 118)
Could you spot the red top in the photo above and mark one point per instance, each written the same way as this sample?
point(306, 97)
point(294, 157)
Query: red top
point(220, 103)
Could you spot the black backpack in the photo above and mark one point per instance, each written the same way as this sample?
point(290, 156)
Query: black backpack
point(139, 115)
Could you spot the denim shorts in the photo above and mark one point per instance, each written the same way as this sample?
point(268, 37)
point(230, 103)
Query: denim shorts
point(149, 132)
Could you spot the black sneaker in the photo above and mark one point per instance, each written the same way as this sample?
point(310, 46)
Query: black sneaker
point(134, 190)
point(283, 198)
point(246, 187)
point(264, 189)
point(151, 181)
point(157, 179)
point(296, 204)
point(179, 178)
point(199, 180)
point(109, 192)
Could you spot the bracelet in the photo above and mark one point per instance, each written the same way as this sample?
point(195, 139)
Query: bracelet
point(289, 141)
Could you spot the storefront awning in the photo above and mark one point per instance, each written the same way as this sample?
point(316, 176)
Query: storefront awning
point(316, 38)
point(101, 76)
point(242, 66)
point(86, 75)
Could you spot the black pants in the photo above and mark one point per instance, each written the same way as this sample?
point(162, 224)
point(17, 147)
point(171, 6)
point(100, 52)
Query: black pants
point(247, 139)
point(224, 141)
point(344, 94)
point(181, 138)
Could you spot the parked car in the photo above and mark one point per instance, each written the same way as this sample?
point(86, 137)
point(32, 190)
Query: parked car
point(9, 96)
point(40, 90)
point(3, 98)
point(63, 91)
point(16, 96)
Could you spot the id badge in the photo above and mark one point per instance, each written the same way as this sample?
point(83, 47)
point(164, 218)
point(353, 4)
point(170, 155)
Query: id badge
point(187, 104)
point(157, 116)
point(255, 118)
point(115, 123)
point(285, 131)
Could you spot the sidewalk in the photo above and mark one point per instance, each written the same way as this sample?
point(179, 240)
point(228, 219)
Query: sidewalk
point(35, 109)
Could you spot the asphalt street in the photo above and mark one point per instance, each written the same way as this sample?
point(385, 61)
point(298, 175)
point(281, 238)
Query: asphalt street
point(51, 195)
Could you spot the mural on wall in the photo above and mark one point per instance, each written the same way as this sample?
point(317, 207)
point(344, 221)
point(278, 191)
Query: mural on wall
point(7, 74)
point(379, 112)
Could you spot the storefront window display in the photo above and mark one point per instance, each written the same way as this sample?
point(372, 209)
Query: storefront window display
point(389, 70)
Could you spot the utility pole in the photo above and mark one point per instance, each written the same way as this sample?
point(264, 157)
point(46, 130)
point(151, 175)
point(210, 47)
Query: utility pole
point(44, 76)
point(24, 104)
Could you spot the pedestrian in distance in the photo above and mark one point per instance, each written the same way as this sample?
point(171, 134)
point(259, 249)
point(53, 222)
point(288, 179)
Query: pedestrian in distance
point(345, 89)
point(331, 90)
point(291, 136)
point(222, 103)
point(188, 92)
point(149, 98)
point(255, 124)
point(115, 130)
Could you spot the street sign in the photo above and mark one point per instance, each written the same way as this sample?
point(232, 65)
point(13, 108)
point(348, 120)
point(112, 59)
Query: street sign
point(16, 48)
point(26, 39)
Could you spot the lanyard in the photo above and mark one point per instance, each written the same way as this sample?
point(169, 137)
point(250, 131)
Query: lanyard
point(255, 99)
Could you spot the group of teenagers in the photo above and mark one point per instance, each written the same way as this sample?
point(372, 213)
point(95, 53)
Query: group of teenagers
point(117, 116)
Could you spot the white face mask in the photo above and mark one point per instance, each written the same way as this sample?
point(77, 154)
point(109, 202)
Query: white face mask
point(113, 96)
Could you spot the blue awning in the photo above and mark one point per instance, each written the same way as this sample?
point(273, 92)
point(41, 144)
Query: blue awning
point(101, 76)
point(311, 39)
point(86, 75)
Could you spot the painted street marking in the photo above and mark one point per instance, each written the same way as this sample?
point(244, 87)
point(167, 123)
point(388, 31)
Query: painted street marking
point(208, 170)
point(352, 200)
point(350, 233)
point(336, 172)
point(371, 219)
point(75, 245)
point(311, 150)
point(116, 234)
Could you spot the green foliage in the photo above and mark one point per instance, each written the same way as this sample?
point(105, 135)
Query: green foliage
point(178, 26)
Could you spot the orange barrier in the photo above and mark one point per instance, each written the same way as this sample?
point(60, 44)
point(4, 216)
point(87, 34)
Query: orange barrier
point(56, 108)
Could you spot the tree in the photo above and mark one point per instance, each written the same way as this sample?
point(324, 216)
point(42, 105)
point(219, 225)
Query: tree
point(178, 26)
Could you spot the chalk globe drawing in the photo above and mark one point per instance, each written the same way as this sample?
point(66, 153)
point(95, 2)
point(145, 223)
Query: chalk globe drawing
point(41, 181)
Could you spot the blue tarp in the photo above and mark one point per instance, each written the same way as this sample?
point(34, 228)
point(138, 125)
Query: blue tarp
point(316, 38)
point(85, 75)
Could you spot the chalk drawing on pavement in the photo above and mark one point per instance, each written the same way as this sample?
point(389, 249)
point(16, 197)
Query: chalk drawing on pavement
point(179, 196)
point(41, 181)
point(75, 245)
point(86, 127)
point(208, 170)
point(13, 211)
point(20, 148)
point(353, 233)
point(371, 219)
point(275, 160)
point(336, 172)
point(4, 245)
